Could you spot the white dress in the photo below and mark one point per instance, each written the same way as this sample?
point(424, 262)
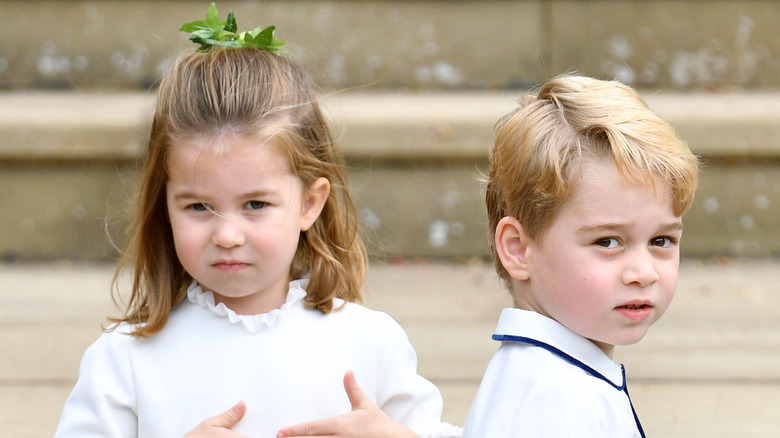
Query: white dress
point(547, 381)
point(288, 365)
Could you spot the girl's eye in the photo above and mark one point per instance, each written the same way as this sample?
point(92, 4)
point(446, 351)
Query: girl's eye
point(607, 242)
point(255, 205)
point(663, 242)
point(199, 207)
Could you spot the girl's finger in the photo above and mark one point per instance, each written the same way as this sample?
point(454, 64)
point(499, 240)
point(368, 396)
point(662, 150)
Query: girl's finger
point(229, 418)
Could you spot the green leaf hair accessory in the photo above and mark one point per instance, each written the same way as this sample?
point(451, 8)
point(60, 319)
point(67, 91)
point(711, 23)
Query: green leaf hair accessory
point(213, 32)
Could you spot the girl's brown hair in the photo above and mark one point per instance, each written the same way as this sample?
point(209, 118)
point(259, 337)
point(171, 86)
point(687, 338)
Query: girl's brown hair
point(244, 92)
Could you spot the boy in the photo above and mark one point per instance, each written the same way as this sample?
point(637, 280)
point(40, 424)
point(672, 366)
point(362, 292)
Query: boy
point(585, 196)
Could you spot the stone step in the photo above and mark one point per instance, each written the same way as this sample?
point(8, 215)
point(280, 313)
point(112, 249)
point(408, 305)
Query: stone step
point(69, 160)
point(708, 372)
point(419, 44)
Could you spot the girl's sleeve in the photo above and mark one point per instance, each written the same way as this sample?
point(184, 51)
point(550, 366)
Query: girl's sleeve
point(404, 395)
point(102, 402)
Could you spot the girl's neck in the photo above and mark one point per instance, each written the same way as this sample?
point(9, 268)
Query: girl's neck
point(254, 304)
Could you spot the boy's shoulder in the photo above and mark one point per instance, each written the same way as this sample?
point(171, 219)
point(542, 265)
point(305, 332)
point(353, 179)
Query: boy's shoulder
point(540, 367)
point(530, 391)
point(553, 359)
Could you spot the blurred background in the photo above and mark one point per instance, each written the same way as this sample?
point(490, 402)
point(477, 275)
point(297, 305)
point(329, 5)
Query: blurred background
point(413, 88)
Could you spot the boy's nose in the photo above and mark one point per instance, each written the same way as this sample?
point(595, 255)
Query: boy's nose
point(228, 232)
point(640, 269)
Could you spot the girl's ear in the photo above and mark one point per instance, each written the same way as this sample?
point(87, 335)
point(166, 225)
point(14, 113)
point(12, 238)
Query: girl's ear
point(313, 202)
point(512, 247)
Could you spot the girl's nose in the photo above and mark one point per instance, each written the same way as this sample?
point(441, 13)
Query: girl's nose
point(228, 232)
point(640, 269)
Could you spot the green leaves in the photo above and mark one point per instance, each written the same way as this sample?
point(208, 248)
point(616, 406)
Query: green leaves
point(213, 32)
point(262, 38)
point(212, 22)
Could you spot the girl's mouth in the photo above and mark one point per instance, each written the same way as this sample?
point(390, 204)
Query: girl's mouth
point(230, 266)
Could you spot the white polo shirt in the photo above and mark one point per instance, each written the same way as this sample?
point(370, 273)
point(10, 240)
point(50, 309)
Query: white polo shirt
point(547, 381)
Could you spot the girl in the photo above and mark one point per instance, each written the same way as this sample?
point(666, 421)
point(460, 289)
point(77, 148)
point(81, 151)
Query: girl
point(246, 265)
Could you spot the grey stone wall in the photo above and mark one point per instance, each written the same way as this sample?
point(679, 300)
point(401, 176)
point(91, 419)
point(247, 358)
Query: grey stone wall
point(422, 44)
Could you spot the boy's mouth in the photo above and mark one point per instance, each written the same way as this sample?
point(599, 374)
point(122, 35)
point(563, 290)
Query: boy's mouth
point(635, 311)
point(635, 306)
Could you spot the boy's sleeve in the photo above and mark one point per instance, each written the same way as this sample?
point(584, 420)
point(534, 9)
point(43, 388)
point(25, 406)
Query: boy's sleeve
point(102, 403)
point(403, 394)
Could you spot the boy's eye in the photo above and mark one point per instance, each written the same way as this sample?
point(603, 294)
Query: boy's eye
point(255, 205)
point(607, 242)
point(662, 241)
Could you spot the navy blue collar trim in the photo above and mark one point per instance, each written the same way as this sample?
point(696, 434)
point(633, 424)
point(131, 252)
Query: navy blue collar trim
point(578, 363)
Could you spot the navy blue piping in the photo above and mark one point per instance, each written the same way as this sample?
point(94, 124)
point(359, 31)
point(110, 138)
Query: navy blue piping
point(578, 363)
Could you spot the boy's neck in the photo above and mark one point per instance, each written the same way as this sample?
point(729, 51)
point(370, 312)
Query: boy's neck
point(521, 304)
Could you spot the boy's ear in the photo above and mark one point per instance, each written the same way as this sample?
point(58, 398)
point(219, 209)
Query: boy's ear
point(314, 199)
point(512, 247)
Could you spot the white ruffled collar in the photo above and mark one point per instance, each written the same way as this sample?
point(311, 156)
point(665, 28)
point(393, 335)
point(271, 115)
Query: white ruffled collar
point(253, 323)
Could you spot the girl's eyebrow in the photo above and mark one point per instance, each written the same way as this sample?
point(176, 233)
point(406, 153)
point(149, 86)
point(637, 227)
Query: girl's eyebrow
point(190, 195)
point(186, 196)
point(258, 194)
point(185, 193)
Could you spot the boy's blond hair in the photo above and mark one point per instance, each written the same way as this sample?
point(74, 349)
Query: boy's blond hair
point(539, 148)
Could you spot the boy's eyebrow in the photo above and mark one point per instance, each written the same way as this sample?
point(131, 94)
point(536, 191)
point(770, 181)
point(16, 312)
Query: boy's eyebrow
point(664, 228)
point(672, 226)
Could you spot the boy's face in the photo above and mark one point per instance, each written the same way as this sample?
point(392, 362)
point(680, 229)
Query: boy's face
point(606, 267)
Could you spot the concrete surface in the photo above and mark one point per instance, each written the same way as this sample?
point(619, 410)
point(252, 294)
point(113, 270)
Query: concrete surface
point(707, 369)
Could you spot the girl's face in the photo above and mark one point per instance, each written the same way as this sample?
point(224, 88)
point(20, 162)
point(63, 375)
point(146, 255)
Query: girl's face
point(606, 267)
point(237, 216)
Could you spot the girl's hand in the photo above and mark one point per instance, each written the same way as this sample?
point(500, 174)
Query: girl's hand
point(365, 420)
point(219, 426)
